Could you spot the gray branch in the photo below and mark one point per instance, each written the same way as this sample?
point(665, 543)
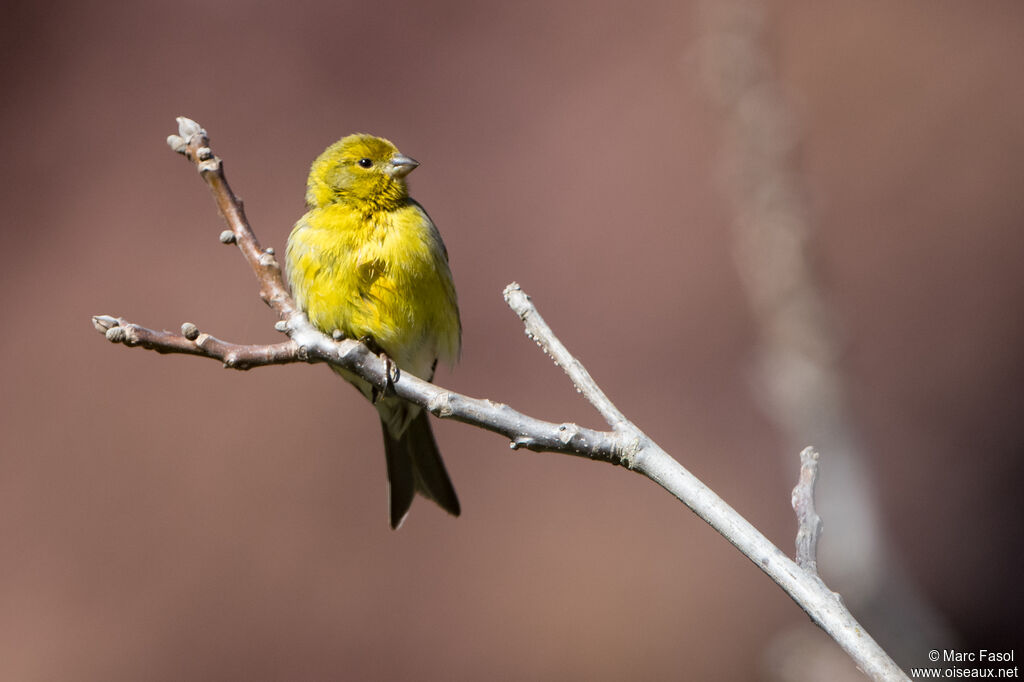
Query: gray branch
point(623, 444)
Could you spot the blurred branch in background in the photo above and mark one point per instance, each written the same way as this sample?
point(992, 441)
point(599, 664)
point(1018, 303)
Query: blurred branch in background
point(809, 524)
point(624, 444)
point(799, 381)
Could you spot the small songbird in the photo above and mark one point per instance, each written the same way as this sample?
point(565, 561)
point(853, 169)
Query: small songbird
point(367, 261)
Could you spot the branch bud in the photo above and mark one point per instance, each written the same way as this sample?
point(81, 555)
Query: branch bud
point(177, 143)
point(190, 331)
point(117, 334)
point(187, 127)
point(103, 323)
point(227, 237)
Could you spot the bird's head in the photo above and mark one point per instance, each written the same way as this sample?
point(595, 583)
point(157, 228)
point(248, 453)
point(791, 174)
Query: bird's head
point(359, 168)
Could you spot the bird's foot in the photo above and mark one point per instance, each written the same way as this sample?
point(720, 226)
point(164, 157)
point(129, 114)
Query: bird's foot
point(391, 370)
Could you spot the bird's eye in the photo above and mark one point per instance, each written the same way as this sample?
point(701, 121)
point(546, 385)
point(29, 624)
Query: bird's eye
point(365, 163)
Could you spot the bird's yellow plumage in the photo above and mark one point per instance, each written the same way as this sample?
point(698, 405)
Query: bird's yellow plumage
point(366, 260)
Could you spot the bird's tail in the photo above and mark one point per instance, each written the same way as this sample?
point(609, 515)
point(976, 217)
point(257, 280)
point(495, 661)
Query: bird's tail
point(415, 466)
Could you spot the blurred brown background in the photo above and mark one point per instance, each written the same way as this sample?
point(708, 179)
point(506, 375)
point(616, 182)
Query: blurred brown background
point(163, 519)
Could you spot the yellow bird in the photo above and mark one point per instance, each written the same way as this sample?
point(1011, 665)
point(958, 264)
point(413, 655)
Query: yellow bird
point(367, 261)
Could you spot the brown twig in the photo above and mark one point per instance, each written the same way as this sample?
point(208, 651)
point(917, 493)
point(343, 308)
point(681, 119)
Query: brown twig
point(193, 342)
point(193, 142)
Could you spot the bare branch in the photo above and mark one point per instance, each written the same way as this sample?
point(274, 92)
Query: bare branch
point(522, 430)
point(193, 142)
point(234, 356)
point(625, 444)
point(538, 330)
point(645, 457)
point(809, 523)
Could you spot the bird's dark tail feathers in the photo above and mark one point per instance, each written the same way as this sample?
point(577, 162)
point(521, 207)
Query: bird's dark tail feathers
point(415, 466)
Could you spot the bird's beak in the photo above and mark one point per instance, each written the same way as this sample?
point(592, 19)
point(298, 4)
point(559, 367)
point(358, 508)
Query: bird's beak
point(401, 165)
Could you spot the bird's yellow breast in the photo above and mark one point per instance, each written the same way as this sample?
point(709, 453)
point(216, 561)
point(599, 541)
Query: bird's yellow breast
point(382, 274)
